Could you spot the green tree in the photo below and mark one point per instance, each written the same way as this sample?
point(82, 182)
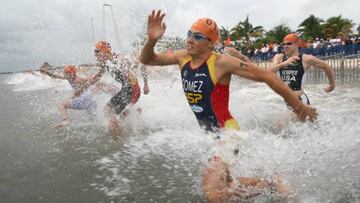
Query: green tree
point(337, 26)
point(224, 33)
point(245, 32)
point(358, 29)
point(259, 42)
point(278, 33)
point(311, 28)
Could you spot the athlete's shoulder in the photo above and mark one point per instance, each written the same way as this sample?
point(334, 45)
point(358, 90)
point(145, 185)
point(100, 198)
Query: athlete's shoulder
point(279, 55)
point(181, 54)
point(226, 64)
point(308, 58)
point(222, 59)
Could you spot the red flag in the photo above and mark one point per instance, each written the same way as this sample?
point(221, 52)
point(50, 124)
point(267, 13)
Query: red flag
point(227, 41)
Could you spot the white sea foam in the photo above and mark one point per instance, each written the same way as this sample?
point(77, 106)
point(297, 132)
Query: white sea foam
point(166, 150)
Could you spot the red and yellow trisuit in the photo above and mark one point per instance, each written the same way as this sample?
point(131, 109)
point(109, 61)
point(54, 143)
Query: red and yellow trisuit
point(208, 99)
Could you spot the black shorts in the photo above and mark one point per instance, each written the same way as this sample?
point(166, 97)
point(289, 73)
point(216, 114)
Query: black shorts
point(119, 101)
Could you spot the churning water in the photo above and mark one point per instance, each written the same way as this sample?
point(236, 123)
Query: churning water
point(162, 151)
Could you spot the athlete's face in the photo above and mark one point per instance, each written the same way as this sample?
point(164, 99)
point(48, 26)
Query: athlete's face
point(197, 42)
point(100, 55)
point(70, 76)
point(290, 47)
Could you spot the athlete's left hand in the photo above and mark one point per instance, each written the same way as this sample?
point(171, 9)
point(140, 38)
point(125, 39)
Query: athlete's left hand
point(330, 88)
point(146, 89)
point(291, 60)
point(156, 26)
point(45, 67)
point(305, 112)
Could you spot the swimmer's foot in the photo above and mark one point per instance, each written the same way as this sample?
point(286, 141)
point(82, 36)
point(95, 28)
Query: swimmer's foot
point(64, 123)
point(115, 130)
point(115, 133)
point(125, 113)
point(282, 185)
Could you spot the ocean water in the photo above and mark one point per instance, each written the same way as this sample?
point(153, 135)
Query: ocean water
point(161, 152)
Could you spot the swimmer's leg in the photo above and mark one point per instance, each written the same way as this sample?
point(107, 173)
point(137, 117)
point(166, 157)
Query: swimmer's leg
point(116, 106)
point(284, 187)
point(67, 104)
point(114, 126)
point(91, 110)
point(126, 111)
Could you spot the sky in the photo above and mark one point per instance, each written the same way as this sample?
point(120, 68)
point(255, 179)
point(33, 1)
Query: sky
point(64, 31)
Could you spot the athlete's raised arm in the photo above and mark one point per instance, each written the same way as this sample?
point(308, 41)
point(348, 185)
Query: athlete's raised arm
point(156, 29)
point(44, 69)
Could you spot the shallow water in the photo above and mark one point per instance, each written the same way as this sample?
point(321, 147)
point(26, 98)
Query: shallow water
point(162, 151)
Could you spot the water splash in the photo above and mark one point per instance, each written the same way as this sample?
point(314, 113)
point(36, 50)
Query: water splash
point(163, 151)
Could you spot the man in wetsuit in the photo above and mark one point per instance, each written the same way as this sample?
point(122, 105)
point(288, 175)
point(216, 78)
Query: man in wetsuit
point(121, 72)
point(206, 77)
point(83, 101)
point(291, 66)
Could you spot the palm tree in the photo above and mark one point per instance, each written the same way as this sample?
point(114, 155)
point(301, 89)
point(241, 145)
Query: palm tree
point(337, 26)
point(224, 33)
point(246, 32)
point(278, 33)
point(311, 27)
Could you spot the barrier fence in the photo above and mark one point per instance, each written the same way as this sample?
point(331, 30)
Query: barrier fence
point(347, 50)
point(346, 69)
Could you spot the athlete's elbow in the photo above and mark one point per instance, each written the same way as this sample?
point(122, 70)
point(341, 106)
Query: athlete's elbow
point(329, 69)
point(142, 60)
point(145, 61)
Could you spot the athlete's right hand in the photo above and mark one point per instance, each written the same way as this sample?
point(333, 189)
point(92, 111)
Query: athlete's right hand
point(45, 67)
point(291, 60)
point(156, 26)
point(305, 112)
point(146, 89)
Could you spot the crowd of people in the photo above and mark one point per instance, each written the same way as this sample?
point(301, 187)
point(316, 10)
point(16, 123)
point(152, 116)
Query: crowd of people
point(318, 47)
